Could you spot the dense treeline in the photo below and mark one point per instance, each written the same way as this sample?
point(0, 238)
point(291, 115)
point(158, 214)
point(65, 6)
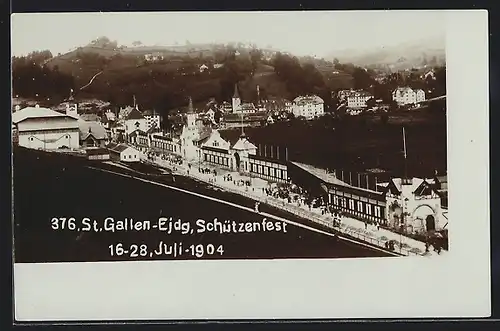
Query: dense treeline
point(31, 78)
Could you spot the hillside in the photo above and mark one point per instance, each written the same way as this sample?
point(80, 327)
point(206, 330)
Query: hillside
point(399, 57)
point(164, 77)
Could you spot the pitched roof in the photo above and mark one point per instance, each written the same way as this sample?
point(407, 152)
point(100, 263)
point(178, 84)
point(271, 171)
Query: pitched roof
point(37, 112)
point(117, 148)
point(236, 94)
point(244, 144)
point(302, 100)
point(321, 174)
point(96, 151)
point(134, 115)
point(88, 128)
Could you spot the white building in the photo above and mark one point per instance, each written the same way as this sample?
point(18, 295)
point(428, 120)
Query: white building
point(231, 154)
point(135, 121)
point(125, 153)
point(153, 119)
point(414, 204)
point(236, 100)
point(203, 67)
point(309, 107)
point(43, 128)
point(358, 99)
point(407, 96)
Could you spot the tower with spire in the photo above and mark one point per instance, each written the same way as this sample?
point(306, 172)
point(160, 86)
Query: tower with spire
point(191, 115)
point(236, 102)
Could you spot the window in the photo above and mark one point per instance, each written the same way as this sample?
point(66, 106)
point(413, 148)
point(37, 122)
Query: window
point(360, 206)
point(368, 209)
point(335, 200)
point(259, 169)
point(271, 172)
point(351, 204)
point(266, 171)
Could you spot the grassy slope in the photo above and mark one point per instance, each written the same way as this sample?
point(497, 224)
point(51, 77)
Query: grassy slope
point(123, 71)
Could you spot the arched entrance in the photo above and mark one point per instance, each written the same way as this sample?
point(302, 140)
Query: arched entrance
point(423, 218)
point(237, 160)
point(430, 223)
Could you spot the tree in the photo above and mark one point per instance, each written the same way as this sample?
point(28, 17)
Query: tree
point(370, 103)
point(336, 61)
point(137, 43)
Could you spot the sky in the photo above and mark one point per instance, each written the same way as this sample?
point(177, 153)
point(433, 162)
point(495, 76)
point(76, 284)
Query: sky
point(300, 32)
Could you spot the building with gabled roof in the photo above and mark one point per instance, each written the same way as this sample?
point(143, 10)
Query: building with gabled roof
point(92, 134)
point(123, 152)
point(309, 106)
point(408, 96)
point(135, 121)
point(44, 128)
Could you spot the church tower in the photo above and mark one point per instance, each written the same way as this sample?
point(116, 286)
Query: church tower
point(236, 100)
point(191, 115)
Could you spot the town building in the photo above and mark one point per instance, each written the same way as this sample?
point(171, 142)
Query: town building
point(140, 139)
point(43, 128)
point(357, 99)
point(153, 57)
point(92, 134)
point(236, 100)
point(232, 150)
point(408, 96)
point(231, 121)
point(203, 67)
point(153, 119)
point(165, 143)
point(228, 152)
point(134, 120)
point(191, 134)
point(309, 107)
point(97, 154)
point(123, 152)
point(413, 204)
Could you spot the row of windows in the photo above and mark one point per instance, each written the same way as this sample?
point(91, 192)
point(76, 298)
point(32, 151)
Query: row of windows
point(221, 160)
point(358, 206)
point(165, 145)
point(268, 171)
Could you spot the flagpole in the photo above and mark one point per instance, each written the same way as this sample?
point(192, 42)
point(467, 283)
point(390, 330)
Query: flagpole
point(367, 183)
point(350, 178)
point(278, 153)
point(376, 188)
point(404, 149)
point(359, 180)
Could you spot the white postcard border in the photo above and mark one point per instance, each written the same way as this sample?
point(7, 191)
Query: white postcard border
point(455, 285)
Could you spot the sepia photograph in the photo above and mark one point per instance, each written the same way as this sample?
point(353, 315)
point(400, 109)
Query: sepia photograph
point(188, 137)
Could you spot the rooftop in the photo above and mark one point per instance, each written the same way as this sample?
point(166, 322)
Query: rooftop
point(37, 112)
point(93, 128)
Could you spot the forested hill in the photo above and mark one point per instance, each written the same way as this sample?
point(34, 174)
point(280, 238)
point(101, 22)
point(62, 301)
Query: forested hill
point(164, 78)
